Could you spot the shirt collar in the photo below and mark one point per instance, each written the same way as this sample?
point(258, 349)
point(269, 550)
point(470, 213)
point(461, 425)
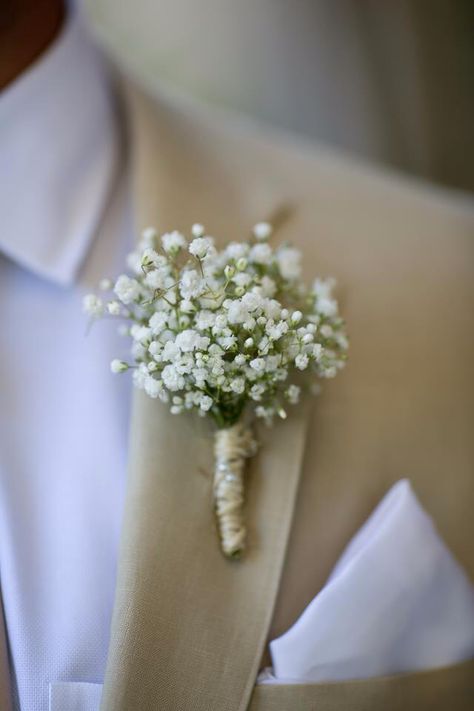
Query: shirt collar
point(59, 148)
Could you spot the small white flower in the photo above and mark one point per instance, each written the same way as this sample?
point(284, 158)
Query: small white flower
point(237, 385)
point(289, 262)
point(92, 305)
point(184, 364)
point(327, 307)
point(197, 230)
point(170, 352)
point(220, 321)
point(118, 366)
point(240, 359)
point(276, 331)
point(205, 403)
point(258, 364)
point(261, 254)
point(173, 241)
point(140, 333)
point(200, 247)
point(256, 392)
point(126, 289)
point(272, 309)
point(242, 279)
point(113, 307)
point(191, 285)
point(172, 379)
point(158, 322)
point(237, 312)
point(187, 307)
point(156, 279)
point(226, 341)
point(200, 375)
point(317, 351)
point(152, 386)
point(323, 288)
point(301, 361)
point(252, 301)
point(151, 257)
point(237, 251)
point(215, 350)
point(205, 320)
point(296, 316)
point(262, 230)
point(190, 340)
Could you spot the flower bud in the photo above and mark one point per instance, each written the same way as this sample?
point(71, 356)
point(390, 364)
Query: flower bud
point(296, 316)
point(197, 230)
point(118, 366)
point(262, 230)
point(229, 271)
point(241, 264)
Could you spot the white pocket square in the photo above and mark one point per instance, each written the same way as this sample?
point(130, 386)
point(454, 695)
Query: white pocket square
point(396, 601)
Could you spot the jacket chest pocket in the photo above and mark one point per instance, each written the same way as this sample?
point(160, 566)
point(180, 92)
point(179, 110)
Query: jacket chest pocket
point(434, 690)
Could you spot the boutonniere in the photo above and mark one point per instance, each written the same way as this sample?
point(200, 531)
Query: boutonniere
point(232, 334)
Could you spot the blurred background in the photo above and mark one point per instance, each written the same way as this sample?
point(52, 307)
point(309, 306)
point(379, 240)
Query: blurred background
point(391, 82)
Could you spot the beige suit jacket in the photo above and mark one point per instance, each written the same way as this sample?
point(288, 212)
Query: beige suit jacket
point(190, 628)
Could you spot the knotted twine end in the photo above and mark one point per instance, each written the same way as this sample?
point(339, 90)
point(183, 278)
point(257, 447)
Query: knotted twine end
point(231, 447)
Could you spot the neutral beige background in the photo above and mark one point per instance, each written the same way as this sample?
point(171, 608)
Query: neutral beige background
point(391, 81)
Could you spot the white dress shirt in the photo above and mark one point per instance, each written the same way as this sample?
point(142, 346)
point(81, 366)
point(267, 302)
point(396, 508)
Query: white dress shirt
point(65, 221)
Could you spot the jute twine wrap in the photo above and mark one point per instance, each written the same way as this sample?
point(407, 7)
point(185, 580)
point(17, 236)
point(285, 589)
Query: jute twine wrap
point(231, 447)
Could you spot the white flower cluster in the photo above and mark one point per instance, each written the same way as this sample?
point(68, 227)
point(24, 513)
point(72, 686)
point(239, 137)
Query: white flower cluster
point(224, 331)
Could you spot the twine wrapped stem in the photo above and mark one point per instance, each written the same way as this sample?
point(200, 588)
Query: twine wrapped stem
point(232, 445)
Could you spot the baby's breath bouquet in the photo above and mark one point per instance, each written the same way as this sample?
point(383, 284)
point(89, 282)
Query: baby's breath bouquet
point(231, 334)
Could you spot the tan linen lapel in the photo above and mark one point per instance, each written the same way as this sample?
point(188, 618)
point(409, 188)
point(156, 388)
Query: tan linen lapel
point(189, 626)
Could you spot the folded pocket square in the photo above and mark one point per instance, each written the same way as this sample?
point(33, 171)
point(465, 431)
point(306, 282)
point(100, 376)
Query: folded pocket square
point(396, 601)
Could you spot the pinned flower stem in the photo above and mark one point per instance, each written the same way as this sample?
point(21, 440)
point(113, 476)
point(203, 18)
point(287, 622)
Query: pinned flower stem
point(232, 446)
